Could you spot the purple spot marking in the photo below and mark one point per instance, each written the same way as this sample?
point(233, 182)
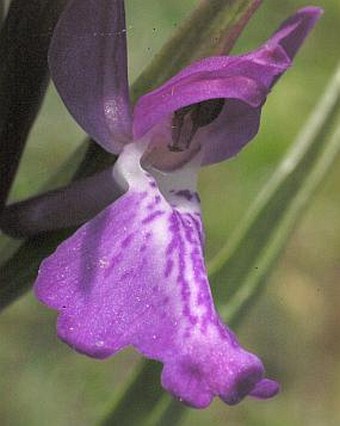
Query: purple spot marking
point(189, 234)
point(153, 204)
point(193, 234)
point(187, 334)
point(127, 275)
point(185, 193)
point(203, 297)
point(188, 195)
point(199, 229)
point(127, 241)
point(168, 268)
point(152, 216)
point(176, 227)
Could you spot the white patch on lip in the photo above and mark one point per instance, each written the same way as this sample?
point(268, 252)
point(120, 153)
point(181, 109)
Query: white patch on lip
point(129, 173)
point(178, 181)
point(127, 170)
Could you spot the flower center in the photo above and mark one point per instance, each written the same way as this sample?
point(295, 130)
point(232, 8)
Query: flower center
point(183, 146)
point(187, 120)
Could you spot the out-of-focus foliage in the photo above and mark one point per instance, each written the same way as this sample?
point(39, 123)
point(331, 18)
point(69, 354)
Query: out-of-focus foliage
point(294, 326)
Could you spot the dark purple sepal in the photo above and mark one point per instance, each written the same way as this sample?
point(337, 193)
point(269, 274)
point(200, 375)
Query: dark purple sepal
point(88, 64)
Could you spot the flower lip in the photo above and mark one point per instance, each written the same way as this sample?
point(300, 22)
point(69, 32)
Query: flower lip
point(243, 384)
point(265, 388)
point(135, 276)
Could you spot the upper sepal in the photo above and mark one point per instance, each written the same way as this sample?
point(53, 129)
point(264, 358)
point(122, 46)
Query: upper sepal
point(88, 64)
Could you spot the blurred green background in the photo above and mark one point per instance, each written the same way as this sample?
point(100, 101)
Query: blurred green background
point(294, 326)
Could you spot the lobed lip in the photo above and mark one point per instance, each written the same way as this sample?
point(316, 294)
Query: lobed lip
point(135, 275)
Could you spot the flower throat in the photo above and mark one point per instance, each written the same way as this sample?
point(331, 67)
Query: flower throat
point(187, 120)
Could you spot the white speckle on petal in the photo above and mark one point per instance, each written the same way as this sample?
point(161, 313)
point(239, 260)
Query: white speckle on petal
point(103, 263)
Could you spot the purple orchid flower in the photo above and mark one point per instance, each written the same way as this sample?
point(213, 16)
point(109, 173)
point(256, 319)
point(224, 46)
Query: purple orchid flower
point(135, 274)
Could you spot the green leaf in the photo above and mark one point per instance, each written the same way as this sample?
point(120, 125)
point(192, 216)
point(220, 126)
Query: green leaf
point(24, 39)
point(248, 258)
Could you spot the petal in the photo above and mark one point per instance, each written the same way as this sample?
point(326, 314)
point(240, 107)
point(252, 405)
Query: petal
point(237, 124)
point(295, 29)
point(88, 64)
point(244, 81)
point(216, 77)
point(265, 388)
point(135, 275)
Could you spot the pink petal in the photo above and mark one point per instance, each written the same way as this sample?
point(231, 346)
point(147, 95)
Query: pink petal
point(265, 388)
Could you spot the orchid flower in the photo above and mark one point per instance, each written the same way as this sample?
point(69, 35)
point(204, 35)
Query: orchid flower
point(135, 275)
